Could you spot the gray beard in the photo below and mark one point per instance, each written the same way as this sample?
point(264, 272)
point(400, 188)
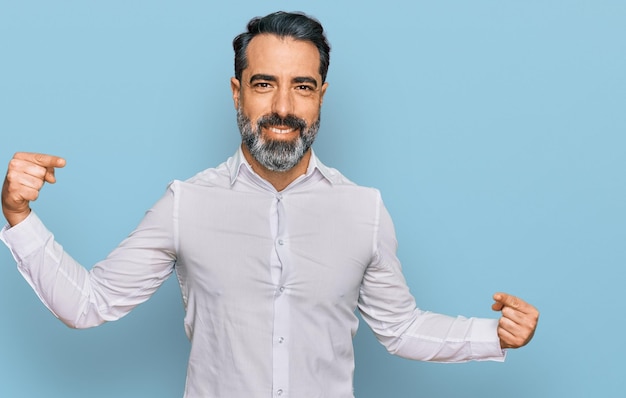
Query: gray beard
point(277, 155)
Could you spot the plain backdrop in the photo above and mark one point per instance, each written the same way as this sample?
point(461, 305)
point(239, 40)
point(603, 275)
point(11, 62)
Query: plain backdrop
point(494, 129)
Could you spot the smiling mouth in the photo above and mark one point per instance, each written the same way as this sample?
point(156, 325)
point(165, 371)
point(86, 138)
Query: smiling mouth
point(281, 129)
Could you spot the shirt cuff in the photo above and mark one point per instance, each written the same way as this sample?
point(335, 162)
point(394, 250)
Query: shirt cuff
point(24, 238)
point(485, 340)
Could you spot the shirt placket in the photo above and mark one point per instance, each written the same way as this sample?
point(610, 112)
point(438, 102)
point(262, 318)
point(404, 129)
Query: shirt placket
point(280, 351)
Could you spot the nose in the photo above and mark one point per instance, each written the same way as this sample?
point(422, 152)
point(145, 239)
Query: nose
point(283, 102)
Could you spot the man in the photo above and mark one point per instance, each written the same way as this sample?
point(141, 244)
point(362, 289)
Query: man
point(273, 250)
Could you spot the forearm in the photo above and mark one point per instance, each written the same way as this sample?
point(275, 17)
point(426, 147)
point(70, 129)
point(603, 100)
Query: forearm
point(441, 338)
point(59, 281)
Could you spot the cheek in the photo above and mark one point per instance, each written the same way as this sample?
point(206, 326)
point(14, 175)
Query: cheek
point(253, 110)
point(308, 110)
point(312, 116)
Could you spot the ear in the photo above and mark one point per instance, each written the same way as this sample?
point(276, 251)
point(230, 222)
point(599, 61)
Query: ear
point(323, 92)
point(235, 86)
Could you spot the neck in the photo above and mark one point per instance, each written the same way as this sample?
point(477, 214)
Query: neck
point(279, 179)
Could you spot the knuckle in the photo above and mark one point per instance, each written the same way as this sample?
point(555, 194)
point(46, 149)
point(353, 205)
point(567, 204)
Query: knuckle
point(14, 163)
point(21, 155)
point(14, 197)
point(11, 177)
point(514, 302)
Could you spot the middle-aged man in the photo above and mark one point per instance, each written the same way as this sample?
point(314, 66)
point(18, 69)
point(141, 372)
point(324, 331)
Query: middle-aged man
point(273, 250)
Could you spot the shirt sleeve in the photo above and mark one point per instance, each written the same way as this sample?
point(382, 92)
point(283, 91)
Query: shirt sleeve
point(84, 298)
point(389, 309)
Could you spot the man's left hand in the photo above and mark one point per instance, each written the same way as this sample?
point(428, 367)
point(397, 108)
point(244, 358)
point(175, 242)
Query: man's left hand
point(518, 322)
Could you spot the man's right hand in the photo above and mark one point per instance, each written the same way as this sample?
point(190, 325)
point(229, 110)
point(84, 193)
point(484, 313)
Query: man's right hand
point(26, 174)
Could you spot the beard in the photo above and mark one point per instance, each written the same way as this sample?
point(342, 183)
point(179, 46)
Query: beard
point(277, 155)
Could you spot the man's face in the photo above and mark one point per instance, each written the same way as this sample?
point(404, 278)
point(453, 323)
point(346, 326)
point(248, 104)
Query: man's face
point(278, 100)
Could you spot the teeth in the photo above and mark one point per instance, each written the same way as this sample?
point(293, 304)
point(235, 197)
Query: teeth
point(280, 131)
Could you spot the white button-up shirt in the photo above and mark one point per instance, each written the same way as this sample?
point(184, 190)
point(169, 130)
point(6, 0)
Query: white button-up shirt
point(270, 282)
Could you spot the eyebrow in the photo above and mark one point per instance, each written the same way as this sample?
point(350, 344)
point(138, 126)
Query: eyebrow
point(270, 78)
point(305, 79)
point(260, 76)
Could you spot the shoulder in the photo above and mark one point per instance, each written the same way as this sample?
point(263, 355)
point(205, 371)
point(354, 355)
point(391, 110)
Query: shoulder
point(343, 190)
point(339, 182)
point(337, 179)
point(215, 177)
point(219, 176)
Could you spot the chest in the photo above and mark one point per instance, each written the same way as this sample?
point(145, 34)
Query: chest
point(323, 243)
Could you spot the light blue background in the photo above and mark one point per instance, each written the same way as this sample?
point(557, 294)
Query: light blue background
point(494, 129)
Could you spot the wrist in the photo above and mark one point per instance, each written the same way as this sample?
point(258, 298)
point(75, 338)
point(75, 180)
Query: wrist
point(14, 218)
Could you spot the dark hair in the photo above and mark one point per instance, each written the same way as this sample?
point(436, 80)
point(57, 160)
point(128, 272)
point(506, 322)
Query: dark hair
point(296, 25)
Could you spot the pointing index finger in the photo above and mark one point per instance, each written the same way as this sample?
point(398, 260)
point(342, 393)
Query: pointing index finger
point(41, 159)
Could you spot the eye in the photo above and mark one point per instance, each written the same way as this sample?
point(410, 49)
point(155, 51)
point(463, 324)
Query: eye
point(262, 86)
point(305, 90)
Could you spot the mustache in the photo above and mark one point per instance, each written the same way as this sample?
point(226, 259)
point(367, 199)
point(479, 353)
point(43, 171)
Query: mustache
point(274, 119)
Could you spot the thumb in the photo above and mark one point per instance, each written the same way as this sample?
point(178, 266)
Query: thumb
point(50, 177)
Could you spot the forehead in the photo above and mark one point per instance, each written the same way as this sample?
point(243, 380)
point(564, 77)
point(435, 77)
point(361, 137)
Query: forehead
point(282, 56)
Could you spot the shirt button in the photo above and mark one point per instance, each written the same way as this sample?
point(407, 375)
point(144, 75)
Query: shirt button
point(279, 392)
point(281, 242)
point(281, 289)
point(281, 340)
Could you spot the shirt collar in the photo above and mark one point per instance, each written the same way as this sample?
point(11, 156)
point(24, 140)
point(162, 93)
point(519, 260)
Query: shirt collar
point(238, 160)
